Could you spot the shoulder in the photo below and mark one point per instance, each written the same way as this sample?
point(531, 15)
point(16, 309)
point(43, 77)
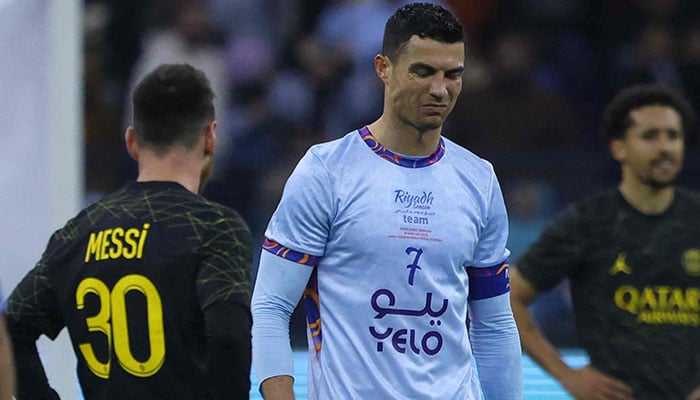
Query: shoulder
point(591, 210)
point(467, 158)
point(224, 213)
point(688, 197)
point(335, 150)
point(326, 161)
point(597, 202)
point(476, 174)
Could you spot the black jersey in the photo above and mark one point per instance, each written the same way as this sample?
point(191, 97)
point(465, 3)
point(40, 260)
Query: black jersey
point(130, 277)
point(635, 286)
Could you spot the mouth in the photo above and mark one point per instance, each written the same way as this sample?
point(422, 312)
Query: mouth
point(665, 164)
point(435, 108)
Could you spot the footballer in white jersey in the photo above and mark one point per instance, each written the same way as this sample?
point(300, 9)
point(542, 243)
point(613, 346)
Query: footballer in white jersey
point(396, 247)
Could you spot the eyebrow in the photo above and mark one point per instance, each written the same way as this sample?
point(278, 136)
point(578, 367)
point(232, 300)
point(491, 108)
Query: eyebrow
point(420, 65)
point(656, 130)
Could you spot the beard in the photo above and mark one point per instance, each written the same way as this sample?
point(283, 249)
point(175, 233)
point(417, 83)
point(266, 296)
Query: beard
point(661, 183)
point(662, 179)
point(658, 184)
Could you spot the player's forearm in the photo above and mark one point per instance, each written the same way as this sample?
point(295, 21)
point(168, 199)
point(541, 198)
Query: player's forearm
point(496, 347)
point(536, 345)
point(278, 388)
point(228, 350)
point(32, 383)
point(7, 369)
point(280, 283)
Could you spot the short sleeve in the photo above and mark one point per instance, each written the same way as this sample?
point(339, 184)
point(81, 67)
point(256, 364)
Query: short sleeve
point(491, 248)
point(303, 217)
point(226, 262)
point(33, 302)
point(557, 254)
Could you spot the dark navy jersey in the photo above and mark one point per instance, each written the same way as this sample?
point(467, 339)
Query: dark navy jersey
point(635, 286)
point(130, 277)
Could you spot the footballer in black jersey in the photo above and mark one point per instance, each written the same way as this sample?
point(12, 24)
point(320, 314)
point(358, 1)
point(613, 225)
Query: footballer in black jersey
point(152, 281)
point(635, 288)
point(632, 259)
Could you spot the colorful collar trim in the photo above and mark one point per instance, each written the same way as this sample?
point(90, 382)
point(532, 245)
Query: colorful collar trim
point(398, 159)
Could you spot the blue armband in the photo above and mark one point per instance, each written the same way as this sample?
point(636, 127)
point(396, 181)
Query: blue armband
point(488, 282)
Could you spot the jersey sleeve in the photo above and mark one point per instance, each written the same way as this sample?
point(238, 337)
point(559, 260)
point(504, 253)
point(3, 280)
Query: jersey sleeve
point(557, 253)
point(225, 272)
point(303, 217)
point(491, 248)
point(33, 303)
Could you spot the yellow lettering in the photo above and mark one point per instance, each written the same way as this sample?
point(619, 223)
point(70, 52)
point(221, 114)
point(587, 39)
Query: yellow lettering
point(116, 243)
point(663, 292)
point(626, 298)
point(648, 299)
point(130, 239)
point(93, 246)
point(676, 300)
point(116, 251)
point(105, 243)
point(692, 298)
point(142, 239)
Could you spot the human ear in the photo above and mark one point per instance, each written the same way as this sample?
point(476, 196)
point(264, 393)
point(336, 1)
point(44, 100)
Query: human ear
point(131, 143)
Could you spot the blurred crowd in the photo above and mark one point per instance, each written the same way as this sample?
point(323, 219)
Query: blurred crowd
point(291, 73)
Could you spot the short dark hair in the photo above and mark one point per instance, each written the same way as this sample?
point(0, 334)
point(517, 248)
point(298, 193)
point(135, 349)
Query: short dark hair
point(617, 119)
point(172, 104)
point(426, 20)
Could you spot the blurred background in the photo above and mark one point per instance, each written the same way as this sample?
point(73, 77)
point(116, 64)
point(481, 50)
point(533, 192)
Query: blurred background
point(291, 73)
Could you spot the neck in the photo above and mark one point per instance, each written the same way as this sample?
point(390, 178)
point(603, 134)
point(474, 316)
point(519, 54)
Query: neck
point(647, 199)
point(405, 139)
point(171, 168)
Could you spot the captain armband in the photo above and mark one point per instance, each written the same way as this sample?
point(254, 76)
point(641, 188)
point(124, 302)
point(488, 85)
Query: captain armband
point(488, 282)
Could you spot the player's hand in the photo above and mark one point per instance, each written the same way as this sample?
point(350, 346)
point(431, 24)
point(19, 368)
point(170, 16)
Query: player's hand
point(588, 383)
point(695, 395)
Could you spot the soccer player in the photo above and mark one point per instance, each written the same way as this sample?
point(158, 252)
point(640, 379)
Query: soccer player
point(632, 256)
point(7, 369)
point(400, 235)
point(153, 281)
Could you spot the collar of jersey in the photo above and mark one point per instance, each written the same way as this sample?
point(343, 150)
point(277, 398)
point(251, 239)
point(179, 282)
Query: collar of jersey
point(398, 159)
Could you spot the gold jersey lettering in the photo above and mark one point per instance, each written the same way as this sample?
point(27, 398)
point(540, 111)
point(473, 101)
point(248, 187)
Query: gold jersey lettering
point(93, 246)
point(130, 238)
point(103, 246)
point(661, 304)
point(677, 300)
point(116, 243)
point(648, 300)
point(116, 250)
point(626, 298)
point(142, 239)
point(692, 298)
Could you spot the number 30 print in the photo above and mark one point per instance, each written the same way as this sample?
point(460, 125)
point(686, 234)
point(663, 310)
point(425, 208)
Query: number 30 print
point(113, 306)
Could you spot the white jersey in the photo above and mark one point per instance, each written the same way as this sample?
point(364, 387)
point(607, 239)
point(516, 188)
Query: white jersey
point(390, 238)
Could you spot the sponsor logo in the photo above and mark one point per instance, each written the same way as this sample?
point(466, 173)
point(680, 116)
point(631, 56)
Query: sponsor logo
point(691, 262)
point(660, 305)
point(421, 201)
point(620, 266)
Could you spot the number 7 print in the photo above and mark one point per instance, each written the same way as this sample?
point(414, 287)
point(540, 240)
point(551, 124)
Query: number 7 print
point(414, 266)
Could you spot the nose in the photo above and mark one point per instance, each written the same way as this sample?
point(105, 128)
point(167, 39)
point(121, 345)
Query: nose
point(668, 143)
point(438, 87)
